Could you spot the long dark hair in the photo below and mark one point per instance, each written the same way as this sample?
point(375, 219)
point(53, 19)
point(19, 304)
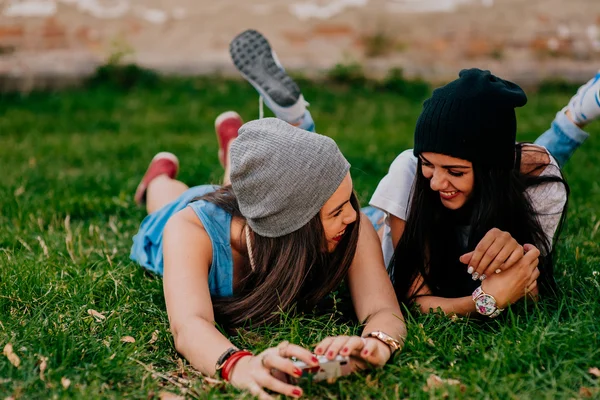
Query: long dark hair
point(295, 269)
point(434, 237)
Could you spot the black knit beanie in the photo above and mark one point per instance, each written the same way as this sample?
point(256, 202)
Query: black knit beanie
point(472, 118)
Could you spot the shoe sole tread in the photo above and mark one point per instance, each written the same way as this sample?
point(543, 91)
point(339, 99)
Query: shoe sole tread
point(252, 56)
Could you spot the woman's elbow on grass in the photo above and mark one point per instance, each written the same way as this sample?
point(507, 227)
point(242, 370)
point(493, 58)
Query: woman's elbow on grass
point(180, 336)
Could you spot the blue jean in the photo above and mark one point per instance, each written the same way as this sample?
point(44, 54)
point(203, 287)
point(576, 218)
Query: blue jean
point(307, 122)
point(562, 139)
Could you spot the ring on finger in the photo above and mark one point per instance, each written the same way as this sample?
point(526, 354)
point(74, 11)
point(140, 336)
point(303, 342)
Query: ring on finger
point(262, 361)
point(282, 347)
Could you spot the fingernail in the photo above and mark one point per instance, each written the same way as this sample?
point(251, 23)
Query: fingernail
point(315, 360)
point(297, 392)
point(366, 352)
point(297, 371)
point(482, 277)
point(475, 276)
point(318, 350)
point(470, 270)
point(345, 350)
point(330, 354)
point(498, 271)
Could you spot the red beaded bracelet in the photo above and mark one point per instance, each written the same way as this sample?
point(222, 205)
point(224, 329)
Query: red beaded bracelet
point(231, 361)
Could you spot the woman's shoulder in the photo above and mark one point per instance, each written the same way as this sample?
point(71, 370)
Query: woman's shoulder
point(186, 217)
point(211, 228)
point(185, 223)
point(407, 157)
point(185, 239)
point(392, 194)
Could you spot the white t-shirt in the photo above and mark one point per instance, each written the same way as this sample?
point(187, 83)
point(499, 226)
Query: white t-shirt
point(393, 195)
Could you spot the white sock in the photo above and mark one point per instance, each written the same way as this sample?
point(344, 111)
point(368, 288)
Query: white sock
point(585, 105)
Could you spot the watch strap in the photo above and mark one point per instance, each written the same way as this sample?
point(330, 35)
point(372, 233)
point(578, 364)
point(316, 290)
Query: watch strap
point(476, 293)
point(496, 313)
point(224, 357)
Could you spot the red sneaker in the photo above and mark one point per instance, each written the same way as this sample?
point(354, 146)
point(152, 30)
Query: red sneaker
point(226, 126)
point(162, 164)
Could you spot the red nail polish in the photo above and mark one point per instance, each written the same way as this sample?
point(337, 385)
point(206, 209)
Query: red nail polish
point(318, 350)
point(297, 392)
point(315, 360)
point(330, 354)
point(297, 371)
point(345, 350)
point(366, 352)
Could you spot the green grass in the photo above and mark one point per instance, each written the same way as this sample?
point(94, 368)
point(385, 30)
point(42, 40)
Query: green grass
point(69, 164)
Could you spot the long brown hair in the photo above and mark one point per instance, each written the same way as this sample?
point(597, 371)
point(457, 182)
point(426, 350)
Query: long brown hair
point(294, 269)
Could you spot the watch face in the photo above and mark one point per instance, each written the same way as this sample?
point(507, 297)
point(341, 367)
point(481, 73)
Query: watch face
point(485, 304)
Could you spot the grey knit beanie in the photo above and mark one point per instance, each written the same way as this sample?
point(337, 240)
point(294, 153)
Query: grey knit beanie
point(282, 175)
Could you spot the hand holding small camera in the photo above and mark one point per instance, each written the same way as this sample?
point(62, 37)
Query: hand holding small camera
point(364, 351)
point(255, 373)
point(277, 368)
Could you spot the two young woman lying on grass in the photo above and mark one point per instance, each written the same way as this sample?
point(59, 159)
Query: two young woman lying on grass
point(473, 233)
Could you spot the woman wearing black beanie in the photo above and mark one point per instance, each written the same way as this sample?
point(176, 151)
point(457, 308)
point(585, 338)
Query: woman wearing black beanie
point(483, 210)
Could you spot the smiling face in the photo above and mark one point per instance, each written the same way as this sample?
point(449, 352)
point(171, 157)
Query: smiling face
point(338, 213)
point(451, 177)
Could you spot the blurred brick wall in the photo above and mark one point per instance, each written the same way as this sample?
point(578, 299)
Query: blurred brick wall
point(53, 42)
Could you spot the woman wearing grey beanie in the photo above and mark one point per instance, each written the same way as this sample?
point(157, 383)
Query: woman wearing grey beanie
point(284, 233)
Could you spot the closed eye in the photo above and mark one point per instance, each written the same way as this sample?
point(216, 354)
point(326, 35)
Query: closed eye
point(457, 174)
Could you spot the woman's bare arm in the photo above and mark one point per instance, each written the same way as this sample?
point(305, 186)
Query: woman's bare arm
point(371, 289)
point(187, 258)
point(507, 288)
point(427, 303)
